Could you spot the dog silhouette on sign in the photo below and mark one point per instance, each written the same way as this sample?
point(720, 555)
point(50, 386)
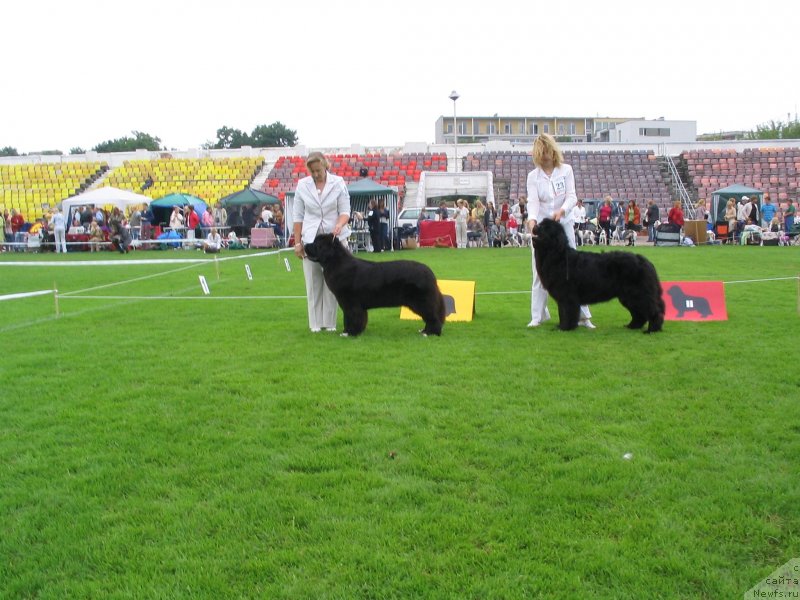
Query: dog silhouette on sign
point(682, 302)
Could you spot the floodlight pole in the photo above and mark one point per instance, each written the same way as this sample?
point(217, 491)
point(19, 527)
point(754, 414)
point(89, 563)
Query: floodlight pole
point(454, 96)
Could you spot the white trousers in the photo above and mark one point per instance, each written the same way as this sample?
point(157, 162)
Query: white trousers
point(321, 301)
point(461, 234)
point(539, 310)
point(61, 239)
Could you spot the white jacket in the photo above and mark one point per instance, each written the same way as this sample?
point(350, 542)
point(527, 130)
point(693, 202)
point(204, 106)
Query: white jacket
point(319, 212)
point(547, 194)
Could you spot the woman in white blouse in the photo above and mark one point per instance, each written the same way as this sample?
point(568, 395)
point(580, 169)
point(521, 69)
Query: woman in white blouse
point(321, 205)
point(551, 194)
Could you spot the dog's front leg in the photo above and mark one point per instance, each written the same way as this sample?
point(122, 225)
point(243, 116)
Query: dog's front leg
point(568, 314)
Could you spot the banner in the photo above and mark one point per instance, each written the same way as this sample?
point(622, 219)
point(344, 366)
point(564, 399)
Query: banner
point(694, 301)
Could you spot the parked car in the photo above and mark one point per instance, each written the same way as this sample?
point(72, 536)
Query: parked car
point(409, 216)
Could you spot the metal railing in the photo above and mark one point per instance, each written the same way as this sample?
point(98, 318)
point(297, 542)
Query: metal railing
point(677, 182)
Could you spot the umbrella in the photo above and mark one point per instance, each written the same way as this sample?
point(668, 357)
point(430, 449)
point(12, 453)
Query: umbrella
point(171, 200)
point(162, 207)
point(248, 196)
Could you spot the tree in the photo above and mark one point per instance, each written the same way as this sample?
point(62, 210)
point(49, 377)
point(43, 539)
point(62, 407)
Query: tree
point(8, 151)
point(77, 150)
point(263, 136)
point(229, 138)
point(272, 136)
point(776, 131)
point(139, 140)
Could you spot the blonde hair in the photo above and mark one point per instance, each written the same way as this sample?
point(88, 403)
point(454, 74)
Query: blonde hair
point(547, 143)
point(317, 157)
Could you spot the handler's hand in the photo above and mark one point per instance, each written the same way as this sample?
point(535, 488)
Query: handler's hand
point(531, 224)
point(337, 229)
point(557, 215)
point(299, 251)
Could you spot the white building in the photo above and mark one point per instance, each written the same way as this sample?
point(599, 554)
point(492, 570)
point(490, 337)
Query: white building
point(649, 132)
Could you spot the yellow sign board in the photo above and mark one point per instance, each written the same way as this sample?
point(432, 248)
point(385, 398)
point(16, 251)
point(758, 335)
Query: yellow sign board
point(459, 301)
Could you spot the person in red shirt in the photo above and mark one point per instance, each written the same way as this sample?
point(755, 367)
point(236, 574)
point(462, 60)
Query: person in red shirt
point(604, 218)
point(17, 221)
point(192, 220)
point(675, 215)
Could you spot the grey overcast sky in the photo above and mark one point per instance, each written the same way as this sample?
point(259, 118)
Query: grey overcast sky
point(77, 73)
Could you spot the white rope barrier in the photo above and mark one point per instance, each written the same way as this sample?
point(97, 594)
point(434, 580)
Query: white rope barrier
point(26, 295)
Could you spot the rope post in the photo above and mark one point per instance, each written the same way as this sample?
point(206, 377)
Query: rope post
point(55, 298)
point(216, 266)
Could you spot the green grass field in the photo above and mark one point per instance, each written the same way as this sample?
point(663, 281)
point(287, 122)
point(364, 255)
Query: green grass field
point(158, 444)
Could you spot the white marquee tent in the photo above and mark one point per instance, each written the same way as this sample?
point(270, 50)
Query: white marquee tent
point(440, 183)
point(103, 196)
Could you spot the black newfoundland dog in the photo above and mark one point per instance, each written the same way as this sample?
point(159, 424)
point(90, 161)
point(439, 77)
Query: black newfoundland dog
point(360, 285)
point(573, 278)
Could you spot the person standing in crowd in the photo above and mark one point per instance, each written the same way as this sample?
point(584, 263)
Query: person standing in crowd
point(374, 225)
point(579, 221)
point(135, 222)
point(17, 221)
point(755, 212)
point(788, 216)
point(652, 215)
point(176, 219)
point(700, 210)
point(633, 218)
point(604, 217)
point(461, 217)
point(192, 223)
point(59, 225)
point(384, 212)
point(730, 217)
point(489, 217)
point(441, 212)
point(321, 205)
point(86, 217)
point(742, 213)
point(767, 212)
point(551, 194)
point(3, 219)
point(220, 215)
point(675, 215)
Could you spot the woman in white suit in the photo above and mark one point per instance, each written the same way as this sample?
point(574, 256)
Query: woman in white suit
point(551, 194)
point(321, 205)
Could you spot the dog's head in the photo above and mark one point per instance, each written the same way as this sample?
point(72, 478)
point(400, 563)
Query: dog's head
point(549, 234)
point(323, 249)
point(675, 292)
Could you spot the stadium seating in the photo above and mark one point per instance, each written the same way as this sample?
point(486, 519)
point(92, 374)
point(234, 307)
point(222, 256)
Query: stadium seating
point(626, 175)
point(389, 170)
point(34, 188)
point(205, 178)
point(773, 170)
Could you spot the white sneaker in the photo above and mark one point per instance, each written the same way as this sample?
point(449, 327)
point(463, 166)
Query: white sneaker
point(315, 330)
point(586, 323)
point(534, 323)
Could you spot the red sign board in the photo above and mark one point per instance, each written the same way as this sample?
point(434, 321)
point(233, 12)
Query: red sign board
point(694, 301)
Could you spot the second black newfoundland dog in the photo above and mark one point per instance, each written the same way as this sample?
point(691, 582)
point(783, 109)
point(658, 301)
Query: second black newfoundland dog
point(573, 278)
point(360, 285)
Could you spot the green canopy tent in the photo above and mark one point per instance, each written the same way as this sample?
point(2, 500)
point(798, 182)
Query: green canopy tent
point(248, 197)
point(720, 198)
point(361, 192)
